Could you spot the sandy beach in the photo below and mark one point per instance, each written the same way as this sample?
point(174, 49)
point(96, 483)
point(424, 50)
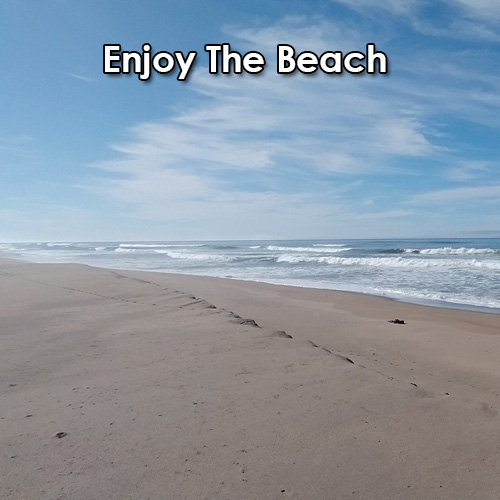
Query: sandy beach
point(133, 385)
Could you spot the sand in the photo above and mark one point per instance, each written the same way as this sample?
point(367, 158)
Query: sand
point(131, 385)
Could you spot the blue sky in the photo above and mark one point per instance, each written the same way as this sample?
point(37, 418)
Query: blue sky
point(88, 156)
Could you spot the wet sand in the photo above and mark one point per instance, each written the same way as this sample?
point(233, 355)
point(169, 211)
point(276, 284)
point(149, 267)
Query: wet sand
point(133, 385)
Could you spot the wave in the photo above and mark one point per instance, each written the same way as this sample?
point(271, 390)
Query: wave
point(449, 298)
point(398, 262)
point(194, 256)
point(158, 245)
point(332, 249)
point(329, 245)
point(444, 251)
point(400, 250)
point(458, 251)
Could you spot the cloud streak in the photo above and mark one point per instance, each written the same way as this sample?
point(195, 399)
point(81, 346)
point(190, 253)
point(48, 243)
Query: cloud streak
point(462, 194)
point(80, 77)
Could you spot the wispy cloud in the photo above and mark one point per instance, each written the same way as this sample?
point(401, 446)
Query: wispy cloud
point(80, 77)
point(488, 10)
point(14, 143)
point(463, 194)
point(399, 7)
point(467, 171)
point(460, 19)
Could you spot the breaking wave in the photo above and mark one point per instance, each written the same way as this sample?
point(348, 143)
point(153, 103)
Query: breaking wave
point(389, 262)
point(158, 245)
point(444, 251)
point(195, 256)
point(315, 249)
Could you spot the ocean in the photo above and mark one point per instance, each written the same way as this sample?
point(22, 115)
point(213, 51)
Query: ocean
point(459, 273)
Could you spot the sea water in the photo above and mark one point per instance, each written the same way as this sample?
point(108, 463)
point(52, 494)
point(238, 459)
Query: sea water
point(463, 273)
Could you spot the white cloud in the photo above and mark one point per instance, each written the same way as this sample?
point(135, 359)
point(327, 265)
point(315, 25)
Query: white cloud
point(15, 143)
point(402, 136)
point(463, 194)
point(207, 144)
point(466, 171)
point(488, 10)
point(465, 19)
point(399, 7)
point(80, 77)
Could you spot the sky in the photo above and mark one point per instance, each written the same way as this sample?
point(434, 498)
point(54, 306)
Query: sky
point(88, 156)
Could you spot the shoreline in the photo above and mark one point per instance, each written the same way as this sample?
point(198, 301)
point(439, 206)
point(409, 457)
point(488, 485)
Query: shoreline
point(415, 301)
point(217, 388)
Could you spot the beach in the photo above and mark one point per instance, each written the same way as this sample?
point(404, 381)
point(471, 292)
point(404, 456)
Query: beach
point(121, 384)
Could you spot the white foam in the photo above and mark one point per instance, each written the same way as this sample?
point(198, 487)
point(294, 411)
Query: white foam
point(390, 262)
point(329, 245)
point(158, 245)
point(194, 256)
point(453, 251)
point(451, 298)
point(332, 249)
